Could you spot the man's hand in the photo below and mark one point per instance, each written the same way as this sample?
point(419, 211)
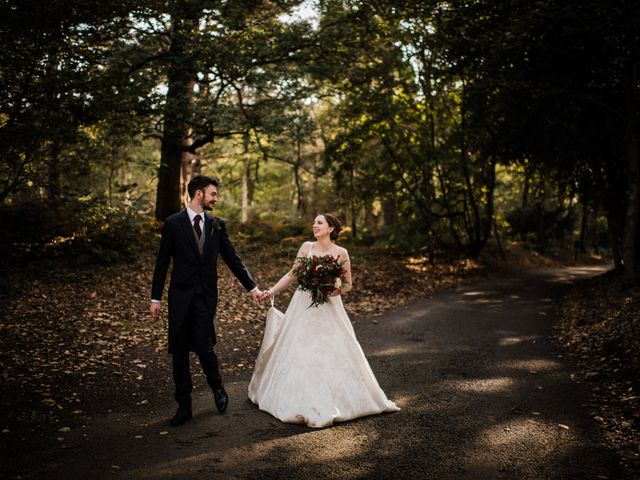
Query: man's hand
point(257, 295)
point(154, 308)
point(266, 295)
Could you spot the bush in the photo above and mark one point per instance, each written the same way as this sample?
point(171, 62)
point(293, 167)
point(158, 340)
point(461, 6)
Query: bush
point(82, 230)
point(534, 223)
point(261, 230)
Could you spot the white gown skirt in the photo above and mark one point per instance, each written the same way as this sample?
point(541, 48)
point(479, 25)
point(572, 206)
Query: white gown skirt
point(311, 368)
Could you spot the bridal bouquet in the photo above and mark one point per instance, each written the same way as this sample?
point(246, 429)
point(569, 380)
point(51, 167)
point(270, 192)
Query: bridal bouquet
point(319, 276)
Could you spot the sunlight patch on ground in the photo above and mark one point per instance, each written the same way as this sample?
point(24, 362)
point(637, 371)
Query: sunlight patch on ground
point(512, 445)
point(475, 293)
point(403, 400)
point(525, 434)
point(338, 443)
point(488, 301)
point(532, 366)
point(398, 350)
point(515, 340)
point(485, 385)
point(569, 274)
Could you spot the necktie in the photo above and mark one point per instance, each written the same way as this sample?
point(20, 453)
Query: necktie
point(196, 225)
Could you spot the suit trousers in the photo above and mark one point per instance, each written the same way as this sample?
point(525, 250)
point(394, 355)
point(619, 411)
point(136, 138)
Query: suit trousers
point(196, 334)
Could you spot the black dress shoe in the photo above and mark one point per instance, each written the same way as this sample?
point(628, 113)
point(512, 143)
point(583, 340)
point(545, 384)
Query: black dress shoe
point(222, 399)
point(181, 416)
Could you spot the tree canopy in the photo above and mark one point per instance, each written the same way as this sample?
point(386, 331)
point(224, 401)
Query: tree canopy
point(430, 124)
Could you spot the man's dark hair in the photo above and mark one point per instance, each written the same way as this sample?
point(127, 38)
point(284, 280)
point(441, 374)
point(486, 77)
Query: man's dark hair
point(200, 182)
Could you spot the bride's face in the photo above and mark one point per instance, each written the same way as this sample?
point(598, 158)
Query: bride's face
point(320, 227)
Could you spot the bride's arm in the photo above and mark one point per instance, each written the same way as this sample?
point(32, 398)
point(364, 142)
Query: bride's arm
point(289, 277)
point(347, 274)
point(281, 284)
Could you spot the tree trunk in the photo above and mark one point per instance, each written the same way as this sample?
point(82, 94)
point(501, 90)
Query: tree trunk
point(246, 178)
point(541, 238)
point(389, 212)
point(300, 203)
point(496, 234)
point(112, 173)
point(471, 207)
point(632, 224)
point(352, 203)
point(369, 217)
point(187, 166)
point(312, 188)
point(54, 175)
point(175, 129)
point(615, 233)
point(584, 224)
point(631, 246)
point(614, 203)
point(488, 218)
point(525, 187)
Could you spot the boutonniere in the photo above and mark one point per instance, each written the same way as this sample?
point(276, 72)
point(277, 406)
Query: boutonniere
point(215, 224)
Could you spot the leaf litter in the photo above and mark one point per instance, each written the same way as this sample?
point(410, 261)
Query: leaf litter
point(76, 341)
point(599, 322)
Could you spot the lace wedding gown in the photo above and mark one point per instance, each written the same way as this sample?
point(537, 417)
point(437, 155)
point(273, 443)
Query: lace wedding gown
point(311, 368)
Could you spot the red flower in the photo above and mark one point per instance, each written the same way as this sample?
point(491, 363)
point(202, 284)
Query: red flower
point(318, 275)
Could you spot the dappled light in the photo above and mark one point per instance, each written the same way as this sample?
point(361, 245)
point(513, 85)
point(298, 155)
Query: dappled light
point(505, 341)
point(474, 293)
point(569, 274)
point(484, 386)
point(470, 376)
point(531, 365)
point(523, 432)
point(470, 170)
point(398, 351)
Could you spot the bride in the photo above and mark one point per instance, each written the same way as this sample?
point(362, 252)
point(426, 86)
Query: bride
point(311, 368)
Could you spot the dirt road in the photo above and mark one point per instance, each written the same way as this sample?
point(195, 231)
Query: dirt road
point(484, 395)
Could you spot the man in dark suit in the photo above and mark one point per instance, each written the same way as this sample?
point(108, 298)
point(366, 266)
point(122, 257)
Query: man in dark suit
point(194, 241)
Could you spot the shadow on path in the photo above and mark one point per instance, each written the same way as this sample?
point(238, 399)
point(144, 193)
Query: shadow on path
point(483, 391)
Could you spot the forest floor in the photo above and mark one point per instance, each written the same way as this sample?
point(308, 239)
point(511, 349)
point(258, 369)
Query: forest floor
point(598, 319)
point(77, 343)
point(78, 340)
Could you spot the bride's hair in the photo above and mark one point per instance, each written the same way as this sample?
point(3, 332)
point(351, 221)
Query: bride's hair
point(333, 221)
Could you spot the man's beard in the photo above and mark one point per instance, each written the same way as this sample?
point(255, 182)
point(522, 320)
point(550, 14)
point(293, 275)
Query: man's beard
point(207, 205)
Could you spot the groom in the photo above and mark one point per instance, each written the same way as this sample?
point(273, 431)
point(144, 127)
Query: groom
point(194, 241)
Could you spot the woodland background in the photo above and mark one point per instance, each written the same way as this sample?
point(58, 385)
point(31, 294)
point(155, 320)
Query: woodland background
point(435, 125)
point(448, 136)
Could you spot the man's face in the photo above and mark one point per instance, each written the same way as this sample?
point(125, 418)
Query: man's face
point(209, 197)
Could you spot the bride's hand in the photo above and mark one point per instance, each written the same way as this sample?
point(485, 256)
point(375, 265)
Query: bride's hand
point(335, 292)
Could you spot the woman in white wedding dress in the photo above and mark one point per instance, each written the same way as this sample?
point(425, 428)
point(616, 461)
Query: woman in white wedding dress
point(311, 368)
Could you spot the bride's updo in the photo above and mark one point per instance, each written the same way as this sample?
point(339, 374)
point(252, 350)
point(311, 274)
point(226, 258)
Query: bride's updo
point(333, 221)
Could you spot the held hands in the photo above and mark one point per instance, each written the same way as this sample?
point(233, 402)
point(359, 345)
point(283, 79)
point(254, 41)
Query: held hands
point(265, 295)
point(154, 309)
point(257, 295)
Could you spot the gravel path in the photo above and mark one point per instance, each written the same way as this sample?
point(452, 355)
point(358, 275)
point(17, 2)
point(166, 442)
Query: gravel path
point(483, 391)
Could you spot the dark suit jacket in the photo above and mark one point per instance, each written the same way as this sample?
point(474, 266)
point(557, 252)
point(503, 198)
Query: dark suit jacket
point(190, 271)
